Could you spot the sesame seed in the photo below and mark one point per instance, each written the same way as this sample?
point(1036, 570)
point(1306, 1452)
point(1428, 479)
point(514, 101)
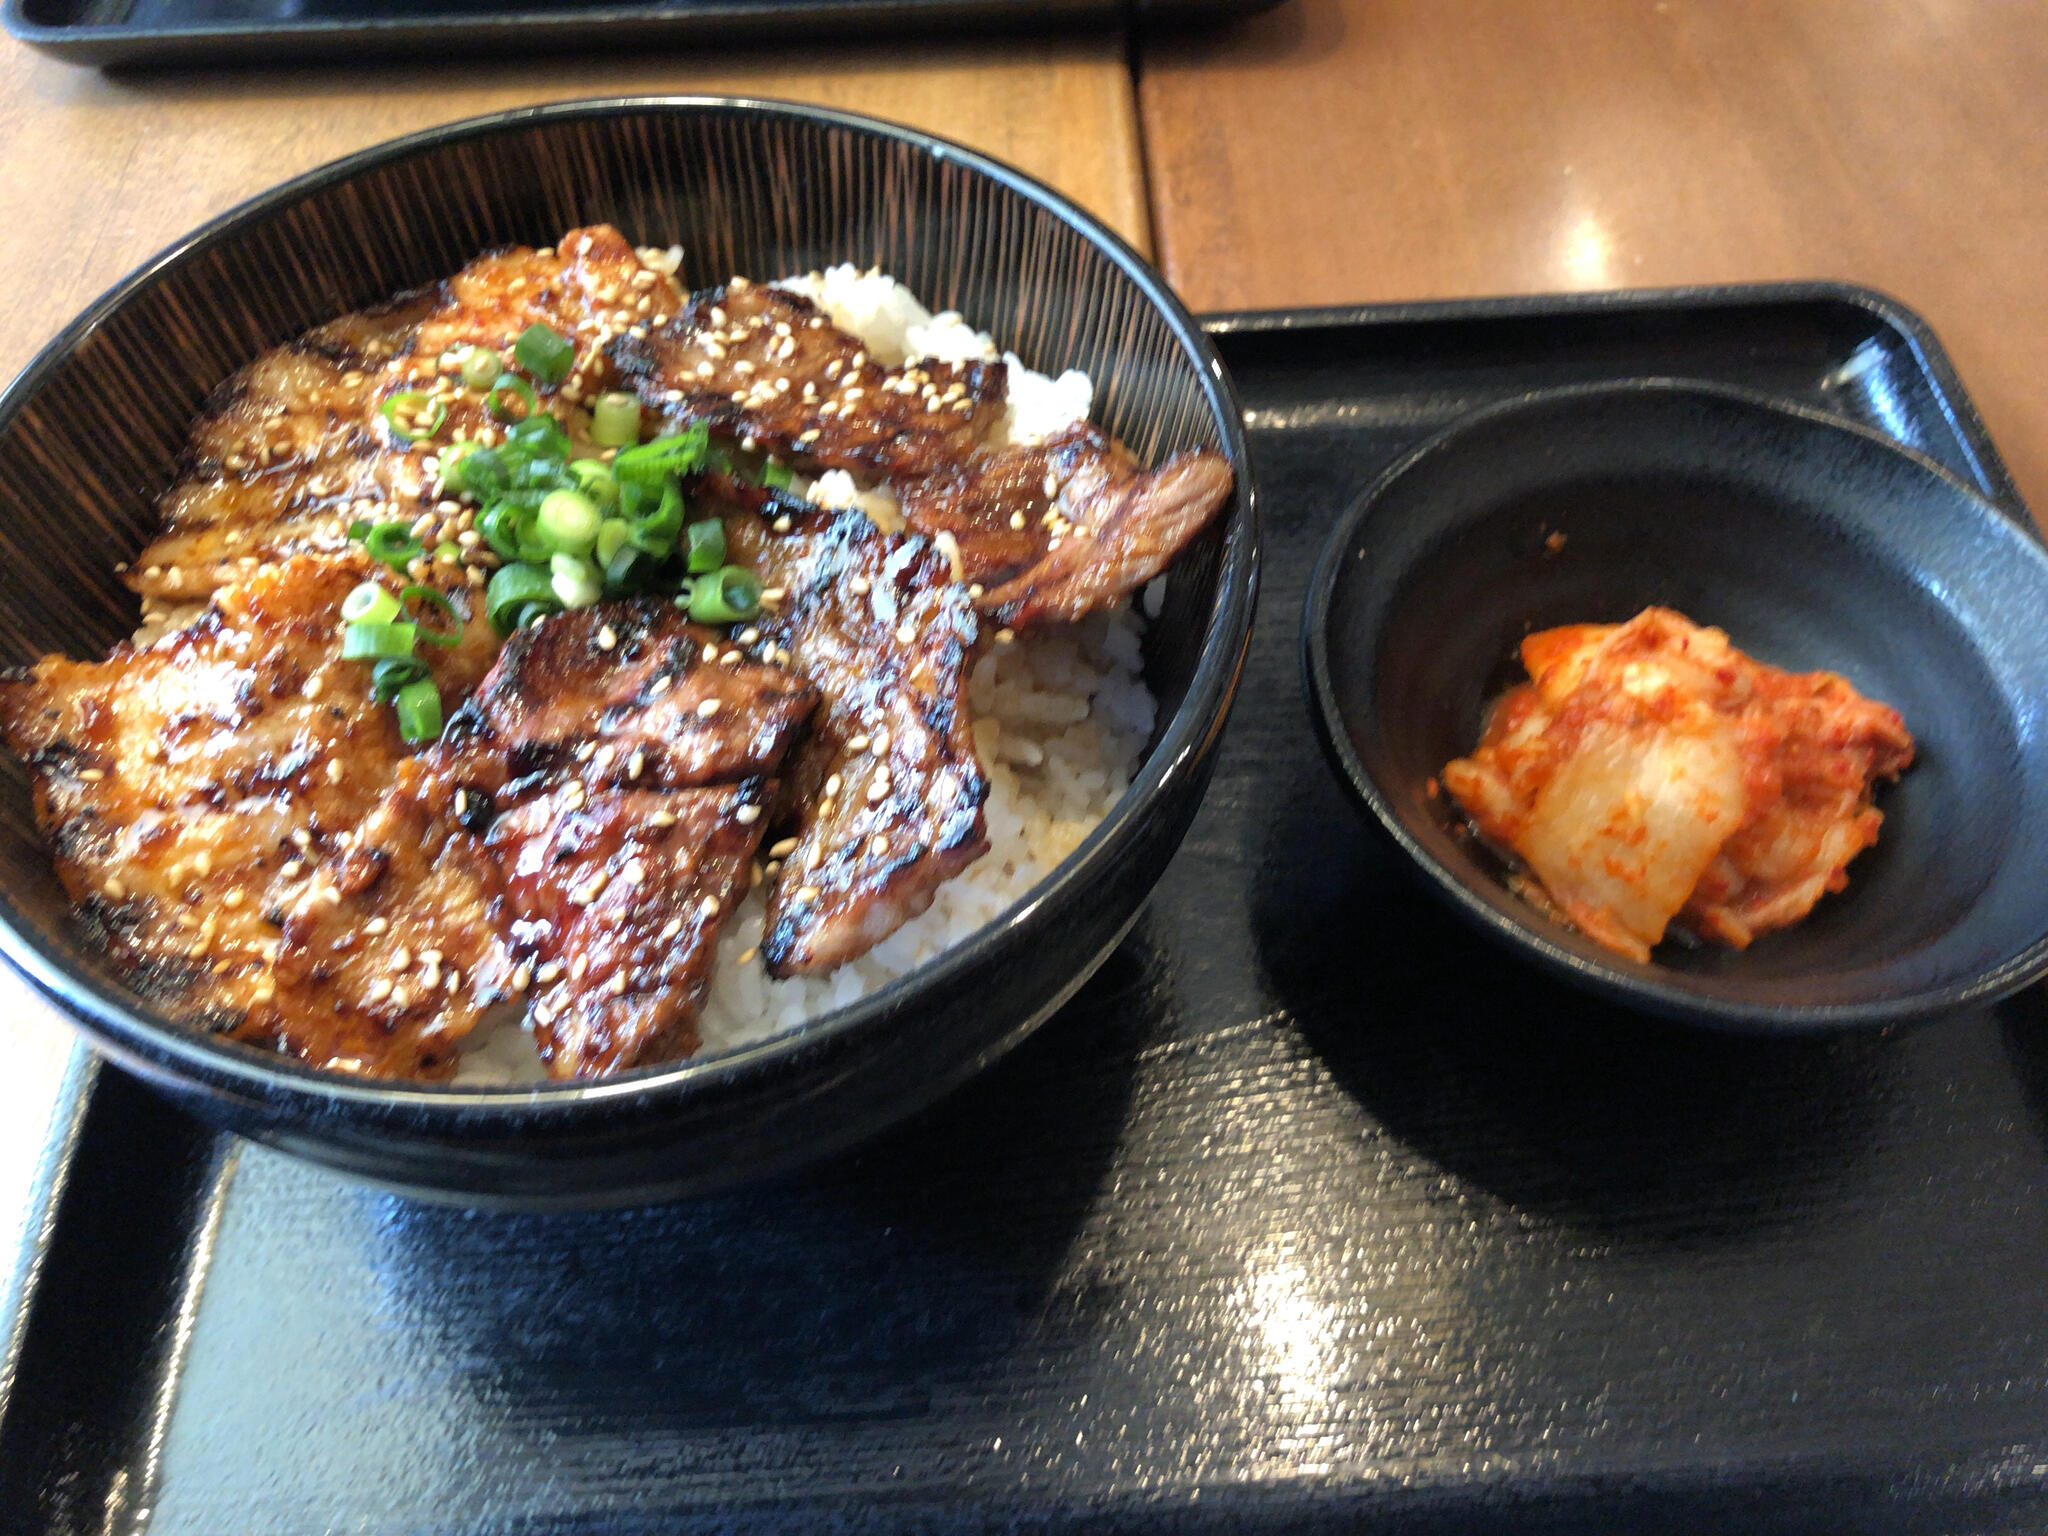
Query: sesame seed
point(808, 893)
point(295, 870)
point(522, 978)
point(617, 985)
point(749, 635)
point(663, 819)
point(401, 958)
point(550, 972)
point(115, 889)
point(375, 926)
point(878, 845)
point(747, 956)
point(708, 908)
point(878, 787)
point(231, 899)
point(707, 709)
point(1017, 520)
point(606, 638)
point(747, 815)
point(634, 872)
point(730, 659)
point(335, 770)
point(859, 586)
point(709, 653)
point(781, 524)
point(635, 763)
point(858, 744)
point(603, 759)
point(783, 849)
point(379, 990)
point(881, 742)
point(832, 786)
point(905, 633)
point(576, 970)
point(1005, 636)
point(661, 685)
point(312, 688)
point(92, 775)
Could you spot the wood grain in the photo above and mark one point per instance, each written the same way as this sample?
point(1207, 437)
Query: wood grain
point(1336, 151)
point(101, 171)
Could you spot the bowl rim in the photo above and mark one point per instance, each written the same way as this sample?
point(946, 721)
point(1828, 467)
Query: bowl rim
point(1521, 934)
point(154, 1044)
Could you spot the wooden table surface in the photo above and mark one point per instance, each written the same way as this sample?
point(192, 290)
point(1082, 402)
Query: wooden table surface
point(1340, 151)
point(99, 172)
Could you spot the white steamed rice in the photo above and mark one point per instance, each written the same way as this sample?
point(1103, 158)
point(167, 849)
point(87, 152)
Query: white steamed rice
point(1061, 719)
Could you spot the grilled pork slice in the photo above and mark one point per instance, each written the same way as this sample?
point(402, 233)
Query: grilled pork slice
point(296, 446)
point(1053, 531)
point(188, 788)
point(1651, 773)
point(759, 362)
point(578, 838)
point(883, 803)
point(1049, 531)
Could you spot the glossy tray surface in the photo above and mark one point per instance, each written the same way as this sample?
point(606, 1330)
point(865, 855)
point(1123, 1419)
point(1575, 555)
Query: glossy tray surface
point(1310, 1212)
point(145, 33)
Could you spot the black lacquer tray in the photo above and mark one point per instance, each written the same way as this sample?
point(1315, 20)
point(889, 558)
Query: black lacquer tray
point(152, 33)
point(1309, 1212)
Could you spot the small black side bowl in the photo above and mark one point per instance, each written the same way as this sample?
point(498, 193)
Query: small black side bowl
point(91, 432)
point(1814, 544)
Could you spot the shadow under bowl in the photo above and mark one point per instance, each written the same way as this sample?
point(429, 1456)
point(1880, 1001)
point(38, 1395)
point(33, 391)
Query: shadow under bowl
point(92, 431)
point(1815, 544)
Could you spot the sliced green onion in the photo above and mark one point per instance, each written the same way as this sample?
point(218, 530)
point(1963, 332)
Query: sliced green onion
point(726, 598)
point(375, 642)
point(575, 581)
point(481, 367)
point(544, 352)
point(360, 529)
point(777, 477)
point(472, 470)
point(429, 597)
point(393, 544)
point(510, 526)
point(595, 480)
point(414, 414)
point(448, 552)
point(621, 570)
point(568, 523)
point(707, 546)
point(654, 530)
point(511, 398)
point(652, 462)
point(515, 588)
point(612, 534)
point(615, 420)
point(392, 674)
point(369, 604)
point(532, 612)
point(419, 711)
point(538, 437)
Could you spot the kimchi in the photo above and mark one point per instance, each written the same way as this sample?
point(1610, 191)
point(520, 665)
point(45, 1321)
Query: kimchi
point(1650, 775)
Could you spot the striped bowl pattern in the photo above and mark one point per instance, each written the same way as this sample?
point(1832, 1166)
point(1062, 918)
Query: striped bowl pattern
point(91, 433)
